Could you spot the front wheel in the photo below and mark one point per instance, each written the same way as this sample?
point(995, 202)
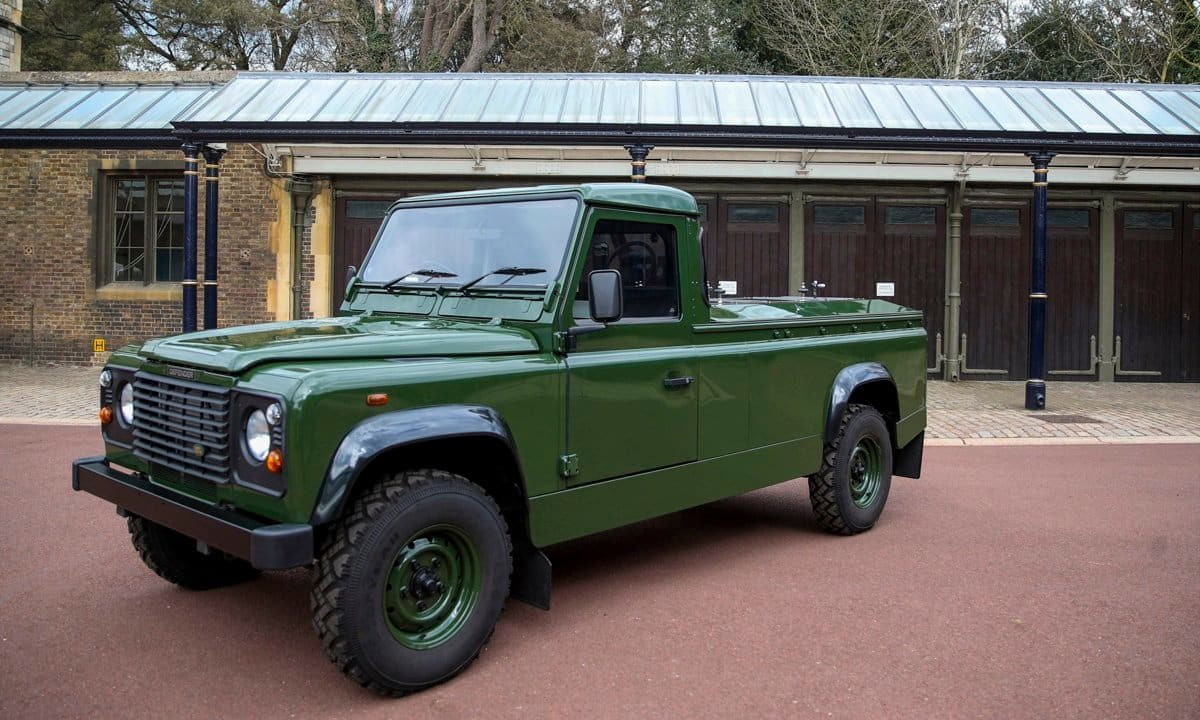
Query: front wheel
point(410, 582)
point(849, 492)
point(175, 558)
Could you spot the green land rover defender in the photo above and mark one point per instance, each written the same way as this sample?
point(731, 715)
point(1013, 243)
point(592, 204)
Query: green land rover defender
point(510, 369)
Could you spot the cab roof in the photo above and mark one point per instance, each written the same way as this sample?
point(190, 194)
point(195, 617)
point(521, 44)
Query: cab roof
point(639, 196)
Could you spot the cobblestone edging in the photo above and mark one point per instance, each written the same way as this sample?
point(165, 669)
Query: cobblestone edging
point(968, 413)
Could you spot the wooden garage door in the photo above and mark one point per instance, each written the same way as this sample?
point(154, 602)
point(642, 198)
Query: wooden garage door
point(838, 245)
point(863, 248)
point(1072, 277)
point(747, 244)
point(995, 291)
point(1156, 332)
point(911, 256)
point(1189, 370)
point(357, 221)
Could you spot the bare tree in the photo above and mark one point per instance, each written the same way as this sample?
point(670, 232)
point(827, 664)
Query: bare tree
point(1103, 40)
point(845, 37)
point(962, 35)
point(208, 34)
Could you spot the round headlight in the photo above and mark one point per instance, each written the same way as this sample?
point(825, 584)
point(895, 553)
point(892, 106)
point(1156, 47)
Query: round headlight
point(127, 403)
point(274, 413)
point(258, 436)
point(105, 378)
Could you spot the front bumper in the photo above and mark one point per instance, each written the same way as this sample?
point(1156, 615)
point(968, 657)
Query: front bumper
point(266, 546)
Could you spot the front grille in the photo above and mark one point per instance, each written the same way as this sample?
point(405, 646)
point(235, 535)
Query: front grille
point(173, 419)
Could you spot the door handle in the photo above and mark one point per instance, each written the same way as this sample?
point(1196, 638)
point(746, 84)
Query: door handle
point(674, 382)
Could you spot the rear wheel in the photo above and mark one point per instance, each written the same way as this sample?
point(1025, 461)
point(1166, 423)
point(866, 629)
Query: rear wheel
point(849, 492)
point(410, 582)
point(174, 558)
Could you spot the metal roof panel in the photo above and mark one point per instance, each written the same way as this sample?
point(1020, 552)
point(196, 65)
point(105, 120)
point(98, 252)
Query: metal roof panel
point(929, 110)
point(774, 104)
point(590, 108)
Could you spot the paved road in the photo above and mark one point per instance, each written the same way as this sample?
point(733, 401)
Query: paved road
point(1008, 583)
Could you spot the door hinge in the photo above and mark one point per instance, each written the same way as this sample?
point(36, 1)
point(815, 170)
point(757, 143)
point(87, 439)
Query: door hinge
point(568, 465)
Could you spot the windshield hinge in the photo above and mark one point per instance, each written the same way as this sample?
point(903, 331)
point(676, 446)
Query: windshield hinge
point(568, 465)
point(562, 343)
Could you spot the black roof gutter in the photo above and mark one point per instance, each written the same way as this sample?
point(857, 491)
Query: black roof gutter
point(556, 134)
point(678, 136)
point(82, 139)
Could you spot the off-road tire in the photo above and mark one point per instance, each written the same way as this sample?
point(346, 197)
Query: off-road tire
point(174, 558)
point(830, 491)
point(353, 565)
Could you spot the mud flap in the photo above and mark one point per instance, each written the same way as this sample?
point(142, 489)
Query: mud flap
point(531, 575)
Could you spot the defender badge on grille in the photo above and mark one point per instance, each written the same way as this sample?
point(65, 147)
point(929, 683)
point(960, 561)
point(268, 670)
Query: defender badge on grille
point(182, 373)
point(198, 450)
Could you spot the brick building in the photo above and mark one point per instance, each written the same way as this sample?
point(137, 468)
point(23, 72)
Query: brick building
point(915, 190)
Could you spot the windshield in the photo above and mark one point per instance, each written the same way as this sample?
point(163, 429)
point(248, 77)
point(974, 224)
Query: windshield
point(452, 245)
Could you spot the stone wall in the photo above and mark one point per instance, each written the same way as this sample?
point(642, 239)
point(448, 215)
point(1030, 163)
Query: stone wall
point(50, 309)
point(10, 39)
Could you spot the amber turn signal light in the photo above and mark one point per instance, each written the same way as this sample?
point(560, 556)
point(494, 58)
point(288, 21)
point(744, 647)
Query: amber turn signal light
point(377, 399)
point(274, 461)
point(105, 415)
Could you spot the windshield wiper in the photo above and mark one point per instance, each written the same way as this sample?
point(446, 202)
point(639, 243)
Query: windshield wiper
point(511, 272)
point(422, 273)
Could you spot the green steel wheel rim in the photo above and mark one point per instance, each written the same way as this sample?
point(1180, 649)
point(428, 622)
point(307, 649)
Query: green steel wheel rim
point(866, 472)
point(432, 586)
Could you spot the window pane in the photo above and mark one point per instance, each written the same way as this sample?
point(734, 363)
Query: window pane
point(645, 253)
point(129, 246)
point(168, 196)
point(910, 215)
point(1148, 219)
point(131, 195)
point(168, 264)
point(757, 213)
point(1067, 218)
point(168, 230)
point(995, 216)
point(840, 214)
point(129, 229)
point(367, 209)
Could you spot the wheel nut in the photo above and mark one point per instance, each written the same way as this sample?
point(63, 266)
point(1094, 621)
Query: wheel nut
point(441, 587)
point(403, 592)
point(434, 562)
point(421, 606)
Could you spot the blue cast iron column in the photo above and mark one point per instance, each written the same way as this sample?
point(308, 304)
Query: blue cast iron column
point(637, 158)
point(191, 174)
point(212, 157)
point(1035, 386)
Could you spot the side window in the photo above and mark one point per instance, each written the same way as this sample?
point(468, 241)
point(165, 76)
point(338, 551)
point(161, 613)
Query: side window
point(647, 256)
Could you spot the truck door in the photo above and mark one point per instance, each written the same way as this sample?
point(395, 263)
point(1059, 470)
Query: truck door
point(631, 393)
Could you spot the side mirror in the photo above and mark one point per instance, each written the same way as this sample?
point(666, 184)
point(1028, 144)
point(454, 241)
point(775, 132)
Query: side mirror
point(606, 303)
point(351, 273)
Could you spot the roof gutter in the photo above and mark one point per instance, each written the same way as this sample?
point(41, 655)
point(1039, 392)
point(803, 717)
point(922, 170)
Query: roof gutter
point(142, 139)
point(676, 136)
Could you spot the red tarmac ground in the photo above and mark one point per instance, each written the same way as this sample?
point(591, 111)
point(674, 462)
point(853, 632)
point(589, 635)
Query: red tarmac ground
point(1010, 582)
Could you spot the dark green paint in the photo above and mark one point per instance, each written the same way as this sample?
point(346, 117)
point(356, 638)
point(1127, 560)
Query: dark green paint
point(601, 441)
point(432, 586)
point(866, 472)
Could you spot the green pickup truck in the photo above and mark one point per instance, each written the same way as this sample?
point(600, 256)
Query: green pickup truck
point(510, 369)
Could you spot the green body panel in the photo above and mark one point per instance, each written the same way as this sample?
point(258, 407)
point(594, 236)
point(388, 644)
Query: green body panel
point(600, 439)
point(235, 350)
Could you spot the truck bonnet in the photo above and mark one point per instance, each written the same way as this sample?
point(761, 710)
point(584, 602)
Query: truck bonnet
point(234, 350)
